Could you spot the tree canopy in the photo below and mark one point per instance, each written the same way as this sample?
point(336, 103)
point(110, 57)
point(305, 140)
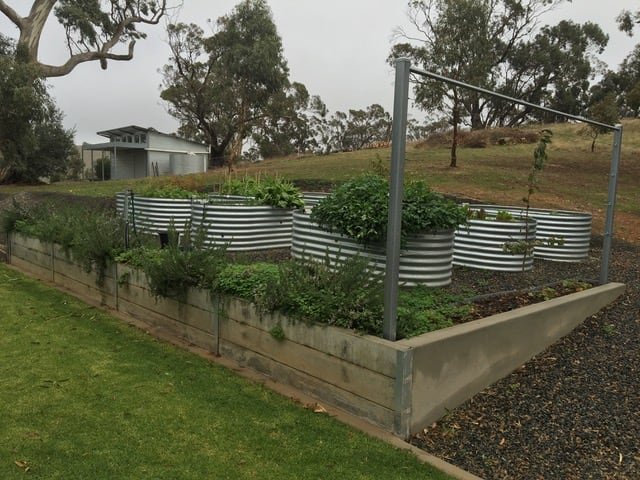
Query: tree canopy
point(498, 45)
point(33, 142)
point(94, 28)
point(223, 87)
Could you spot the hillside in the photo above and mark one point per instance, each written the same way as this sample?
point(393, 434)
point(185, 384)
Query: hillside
point(574, 178)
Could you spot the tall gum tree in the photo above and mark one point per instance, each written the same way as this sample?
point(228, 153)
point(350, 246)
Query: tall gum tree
point(94, 29)
point(224, 87)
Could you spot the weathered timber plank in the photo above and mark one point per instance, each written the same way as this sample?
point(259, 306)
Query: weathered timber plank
point(206, 340)
point(366, 351)
point(185, 313)
point(335, 371)
point(310, 385)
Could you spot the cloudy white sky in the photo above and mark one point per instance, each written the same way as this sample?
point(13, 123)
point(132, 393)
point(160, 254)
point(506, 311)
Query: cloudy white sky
point(337, 48)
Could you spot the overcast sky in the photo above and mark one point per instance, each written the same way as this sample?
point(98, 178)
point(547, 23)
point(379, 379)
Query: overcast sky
point(337, 48)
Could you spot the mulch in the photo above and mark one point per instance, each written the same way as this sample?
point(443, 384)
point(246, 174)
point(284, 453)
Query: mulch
point(573, 411)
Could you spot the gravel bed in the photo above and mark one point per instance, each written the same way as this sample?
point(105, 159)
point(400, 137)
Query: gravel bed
point(572, 412)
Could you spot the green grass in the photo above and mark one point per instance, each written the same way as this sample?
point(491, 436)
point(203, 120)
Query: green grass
point(85, 396)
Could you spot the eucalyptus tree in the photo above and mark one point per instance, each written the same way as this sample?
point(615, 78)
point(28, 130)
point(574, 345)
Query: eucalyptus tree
point(33, 142)
point(222, 88)
point(94, 29)
point(465, 40)
point(498, 45)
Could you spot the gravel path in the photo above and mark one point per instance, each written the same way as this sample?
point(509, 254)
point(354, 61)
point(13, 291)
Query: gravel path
point(572, 412)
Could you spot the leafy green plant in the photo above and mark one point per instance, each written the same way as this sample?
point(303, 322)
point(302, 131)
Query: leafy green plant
point(423, 309)
point(504, 216)
point(266, 190)
point(279, 193)
point(92, 236)
point(277, 332)
point(348, 296)
point(359, 209)
point(246, 281)
point(173, 270)
point(165, 190)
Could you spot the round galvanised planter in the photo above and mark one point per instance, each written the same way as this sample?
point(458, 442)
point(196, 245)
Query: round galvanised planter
point(481, 244)
point(424, 260)
point(311, 199)
point(573, 228)
point(240, 226)
point(154, 215)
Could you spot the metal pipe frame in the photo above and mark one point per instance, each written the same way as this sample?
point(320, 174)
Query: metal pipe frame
point(398, 149)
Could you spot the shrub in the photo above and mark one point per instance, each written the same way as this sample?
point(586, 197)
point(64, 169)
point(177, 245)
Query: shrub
point(173, 270)
point(102, 169)
point(92, 236)
point(347, 296)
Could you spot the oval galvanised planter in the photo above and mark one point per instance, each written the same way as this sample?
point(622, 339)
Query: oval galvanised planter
point(153, 215)
point(240, 226)
point(480, 244)
point(574, 228)
point(424, 260)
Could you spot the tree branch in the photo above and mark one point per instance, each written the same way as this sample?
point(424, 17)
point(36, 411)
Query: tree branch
point(75, 60)
point(11, 14)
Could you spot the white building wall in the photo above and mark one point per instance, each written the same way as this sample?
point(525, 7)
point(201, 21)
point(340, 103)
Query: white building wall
point(169, 143)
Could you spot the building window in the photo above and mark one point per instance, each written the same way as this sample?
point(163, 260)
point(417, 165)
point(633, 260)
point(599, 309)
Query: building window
point(143, 138)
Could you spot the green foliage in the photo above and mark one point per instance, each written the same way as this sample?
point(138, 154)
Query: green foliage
point(424, 210)
point(277, 332)
point(165, 190)
point(274, 191)
point(422, 310)
point(359, 209)
point(246, 281)
point(209, 88)
point(347, 296)
point(33, 141)
point(102, 169)
point(504, 216)
point(93, 237)
point(173, 270)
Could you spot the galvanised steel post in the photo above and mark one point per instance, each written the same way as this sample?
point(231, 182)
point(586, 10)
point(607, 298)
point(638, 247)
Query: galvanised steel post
point(611, 205)
point(396, 193)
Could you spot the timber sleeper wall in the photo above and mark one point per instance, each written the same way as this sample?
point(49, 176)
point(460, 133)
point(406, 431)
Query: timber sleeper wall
point(400, 386)
point(354, 372)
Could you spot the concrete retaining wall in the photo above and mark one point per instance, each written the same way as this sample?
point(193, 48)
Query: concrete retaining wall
point(400, 386)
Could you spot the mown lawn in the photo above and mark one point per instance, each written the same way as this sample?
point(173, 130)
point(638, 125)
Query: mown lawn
point(84, 396)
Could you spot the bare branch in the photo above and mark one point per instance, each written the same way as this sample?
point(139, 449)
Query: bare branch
point(11, 14)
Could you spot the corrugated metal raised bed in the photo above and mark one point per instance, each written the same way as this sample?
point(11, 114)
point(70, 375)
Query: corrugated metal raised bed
point(574, 228)
point(241, 226)
point(153, 215)
point(480, 244)
point(311, 199)
point(425, 260)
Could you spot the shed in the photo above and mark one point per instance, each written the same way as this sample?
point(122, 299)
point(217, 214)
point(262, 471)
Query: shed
point(138, 152)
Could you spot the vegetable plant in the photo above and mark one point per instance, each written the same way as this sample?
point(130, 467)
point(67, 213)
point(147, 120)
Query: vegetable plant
point(359, 209)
